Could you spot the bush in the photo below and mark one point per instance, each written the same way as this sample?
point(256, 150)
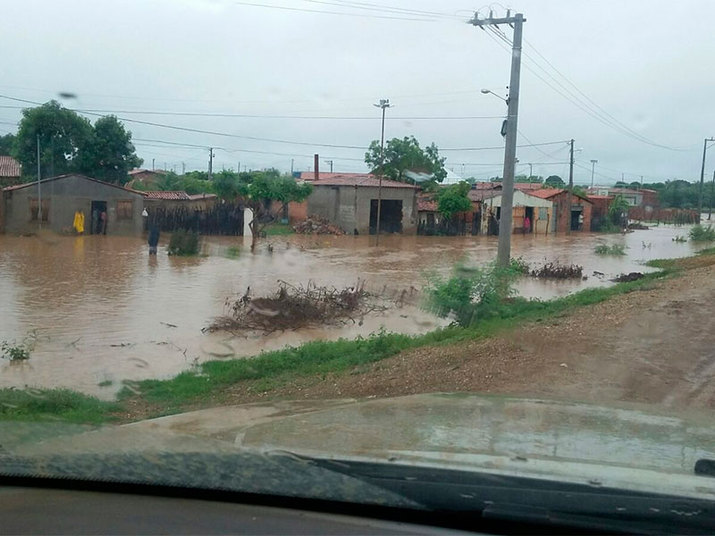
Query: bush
point(615, 249)
point(184, 242)
point(680, 238)
point(519, 265)
point(700, 233)
point(471, 294)
point(15, 351)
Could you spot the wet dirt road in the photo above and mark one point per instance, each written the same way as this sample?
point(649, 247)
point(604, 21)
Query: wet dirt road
point(104, 311)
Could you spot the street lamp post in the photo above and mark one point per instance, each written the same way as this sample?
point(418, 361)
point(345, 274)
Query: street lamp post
point(383, 104)
point(593, 169)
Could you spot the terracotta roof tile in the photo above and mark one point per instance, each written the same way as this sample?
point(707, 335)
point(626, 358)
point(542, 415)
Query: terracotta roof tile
point(9, 167)
point(168, 195)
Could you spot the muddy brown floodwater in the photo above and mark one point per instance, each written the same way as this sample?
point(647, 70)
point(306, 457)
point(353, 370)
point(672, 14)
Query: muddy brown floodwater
point(104, 311)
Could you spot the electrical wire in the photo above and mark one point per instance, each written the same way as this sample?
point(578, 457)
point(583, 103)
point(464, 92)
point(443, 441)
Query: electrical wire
point(323, 12)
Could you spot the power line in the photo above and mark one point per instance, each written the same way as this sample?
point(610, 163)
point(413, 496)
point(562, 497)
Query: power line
point(363, 15)
point(382, 9)
point(597, 113)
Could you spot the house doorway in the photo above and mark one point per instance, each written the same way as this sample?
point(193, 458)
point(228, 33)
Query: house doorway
point(576, 218)
point(390, 216)
point(528, 213)
point(99, 217)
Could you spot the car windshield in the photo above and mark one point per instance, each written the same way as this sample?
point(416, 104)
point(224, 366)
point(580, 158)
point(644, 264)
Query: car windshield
point(430, 234)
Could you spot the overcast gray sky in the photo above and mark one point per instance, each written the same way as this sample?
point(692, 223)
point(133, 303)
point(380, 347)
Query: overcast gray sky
point(646, 64)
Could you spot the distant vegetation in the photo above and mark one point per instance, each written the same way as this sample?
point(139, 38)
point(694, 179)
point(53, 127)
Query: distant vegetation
point(615, 249)
point(700, 233)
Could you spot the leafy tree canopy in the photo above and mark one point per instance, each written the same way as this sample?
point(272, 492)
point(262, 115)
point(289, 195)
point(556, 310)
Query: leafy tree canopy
point(453, 199)
point(554, 181)
point(69, 143)
point(110, 155)
point(64, 138)
point(6, 144)
point(405, 154)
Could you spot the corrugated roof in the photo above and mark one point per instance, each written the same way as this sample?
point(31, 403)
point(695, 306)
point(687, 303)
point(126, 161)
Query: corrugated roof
point(362, 180)
point(60, 177)
point(9, 167)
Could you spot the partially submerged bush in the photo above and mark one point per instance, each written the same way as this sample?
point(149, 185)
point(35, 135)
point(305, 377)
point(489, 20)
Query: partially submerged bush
point(700, 233)
point(18, 351)
point(519, 265)
point(554, 270)
point(615, 249)
point(680, 238)
point(470, 294)
point(184, 242)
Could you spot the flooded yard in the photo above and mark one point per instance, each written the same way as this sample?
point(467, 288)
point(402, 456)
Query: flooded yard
point(104, 311)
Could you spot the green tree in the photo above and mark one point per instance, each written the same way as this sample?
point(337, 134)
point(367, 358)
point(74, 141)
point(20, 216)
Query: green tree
point(453, 199)
point(110, 155)
point(405, 154)
point(6, 144)
point(266, 193)
point(618, 211)
point(64, 138)
point(554, 181)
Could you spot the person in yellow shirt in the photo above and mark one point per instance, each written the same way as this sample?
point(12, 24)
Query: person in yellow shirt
point(78, 222)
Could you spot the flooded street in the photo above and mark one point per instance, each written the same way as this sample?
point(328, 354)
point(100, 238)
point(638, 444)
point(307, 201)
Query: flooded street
point(104, 311)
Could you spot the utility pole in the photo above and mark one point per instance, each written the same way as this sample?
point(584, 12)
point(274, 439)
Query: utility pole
point(39, 187)
point(505, 224)
point(183, 168)
point(712, 197)
point(152, 164)
point(568, 226)
point(211, 163)
point(330, 163)
point(383, 104)
point(702, 177)
point(593, 170)
point(531, 171)
point(291, 167)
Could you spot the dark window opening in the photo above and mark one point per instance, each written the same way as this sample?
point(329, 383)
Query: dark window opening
point(34, 210)
point(390, 216)
point(98, 218)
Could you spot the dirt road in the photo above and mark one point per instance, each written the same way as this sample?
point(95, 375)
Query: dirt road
point(653, 346)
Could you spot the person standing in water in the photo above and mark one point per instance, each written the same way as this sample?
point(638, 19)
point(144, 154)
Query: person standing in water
point(153, 238)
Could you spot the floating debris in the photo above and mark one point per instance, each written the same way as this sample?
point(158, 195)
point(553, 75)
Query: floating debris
point(317, 225)
point(625, 278)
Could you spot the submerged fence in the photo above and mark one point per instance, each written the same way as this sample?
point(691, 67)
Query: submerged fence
point(218, 219)
point(678, 216)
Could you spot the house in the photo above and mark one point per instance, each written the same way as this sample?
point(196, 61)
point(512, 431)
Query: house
point(350, 201)
point(10, 171)
point(570, 211)
point(643, 197)
point(60, 197)
point(599, 210)
point(525, 204)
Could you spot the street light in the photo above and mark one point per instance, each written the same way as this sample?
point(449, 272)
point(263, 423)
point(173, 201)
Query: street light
point(489, 91)
point(383, 104)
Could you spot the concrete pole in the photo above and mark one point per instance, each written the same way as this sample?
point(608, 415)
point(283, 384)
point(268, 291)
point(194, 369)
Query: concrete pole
point(712, 197)
point(507, 199)
point(39, 186)
point(702, 177)
point(384, 104)
point(211, 163)
point(593, 170)
point(568, 227)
